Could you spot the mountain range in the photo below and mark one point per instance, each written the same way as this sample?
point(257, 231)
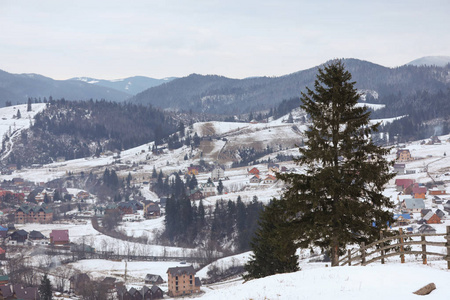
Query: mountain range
point(215, 94)
point(220, 95)
point(17, 88)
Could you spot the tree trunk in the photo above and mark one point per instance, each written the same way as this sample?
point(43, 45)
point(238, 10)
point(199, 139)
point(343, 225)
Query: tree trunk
point(335, 254)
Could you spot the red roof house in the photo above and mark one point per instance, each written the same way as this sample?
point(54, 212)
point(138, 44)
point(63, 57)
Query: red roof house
point(403, 183)
point(419, 191)
point(254, 171)
point(59, 237)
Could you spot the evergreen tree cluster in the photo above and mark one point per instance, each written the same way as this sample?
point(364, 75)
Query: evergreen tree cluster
point(249, 156)
point(417, 109)
point(273, 244)
point(75, 129)
point(110, 179)
point(228, 223)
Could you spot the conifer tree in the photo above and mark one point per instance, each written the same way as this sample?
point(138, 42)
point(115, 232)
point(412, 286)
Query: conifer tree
point(45, 289)
point(193, 182)
point(220, 187)
point(338, 198)
point(272, 245)
point(29, 104)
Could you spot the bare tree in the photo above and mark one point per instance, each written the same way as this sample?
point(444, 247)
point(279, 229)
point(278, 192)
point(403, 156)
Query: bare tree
point(62, 277)
point(20, 270)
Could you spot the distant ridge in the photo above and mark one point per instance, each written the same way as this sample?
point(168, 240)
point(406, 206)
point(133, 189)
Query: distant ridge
point(439, 61)
point(221, 95)
point(17, 88)
point(130, 85)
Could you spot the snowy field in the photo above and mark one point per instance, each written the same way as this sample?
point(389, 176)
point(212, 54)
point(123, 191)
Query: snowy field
point(84, 232)
point(396, 281)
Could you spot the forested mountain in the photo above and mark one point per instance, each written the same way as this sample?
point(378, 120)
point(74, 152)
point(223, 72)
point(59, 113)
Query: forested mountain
point(130, 85)
point(221, 95)
point(17, 88)
point(75, 129)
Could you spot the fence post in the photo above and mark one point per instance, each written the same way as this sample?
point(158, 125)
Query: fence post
point(382, 246)
point(349, 257)
point(363, 253)
point(448, 247)
point(402, 249)
point(424, 250)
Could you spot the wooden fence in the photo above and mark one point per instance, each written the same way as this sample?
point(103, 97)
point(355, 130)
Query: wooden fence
point(398, 245)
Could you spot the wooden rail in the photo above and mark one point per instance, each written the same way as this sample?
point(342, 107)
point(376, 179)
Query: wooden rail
point(397, 245)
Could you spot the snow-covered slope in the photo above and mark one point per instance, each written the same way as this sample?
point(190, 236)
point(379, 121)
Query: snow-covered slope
point(11, 126)
point(395, 281)
point(439, 61)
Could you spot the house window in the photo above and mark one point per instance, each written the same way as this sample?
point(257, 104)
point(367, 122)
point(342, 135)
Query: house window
point(190, 282)
point(176, 288)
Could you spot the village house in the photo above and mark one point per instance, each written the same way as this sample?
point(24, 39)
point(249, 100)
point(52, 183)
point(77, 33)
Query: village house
point(436, 200)
point(419, 191)
point(217, 173)
point(402, 219)
point(404, 155)
point(59, 237)
point(153, 279)
point(18, 181)
point(424, 212)
point(33, 214)
point(432, 218)
point(182, 281)
point(208, 189)
point(37, 237)
point(413, 205)
point(193, 170)
point(195, 194)
point(447, 206)
point(129, 207)
point(399, 169)
point(270, 179)
point(18, 236)
point(440, 214)
point(439, 190)
point(140, 294)
point(151, 209)
point(426, 229)
point(253, 171)
point(402, 184)
point(255, 179)
point(272, 167)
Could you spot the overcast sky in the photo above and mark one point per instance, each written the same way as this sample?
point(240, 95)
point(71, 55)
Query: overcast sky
point(116, 39)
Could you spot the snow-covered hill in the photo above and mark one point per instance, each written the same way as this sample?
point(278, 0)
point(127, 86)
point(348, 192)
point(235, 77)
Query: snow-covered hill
point(393, 281)
point(439, 61)
point(11, 126)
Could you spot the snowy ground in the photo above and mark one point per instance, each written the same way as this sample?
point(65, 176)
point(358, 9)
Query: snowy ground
point(84, 232)
point(393, 281)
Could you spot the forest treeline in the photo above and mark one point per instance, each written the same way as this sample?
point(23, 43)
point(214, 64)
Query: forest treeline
point(76, 129)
